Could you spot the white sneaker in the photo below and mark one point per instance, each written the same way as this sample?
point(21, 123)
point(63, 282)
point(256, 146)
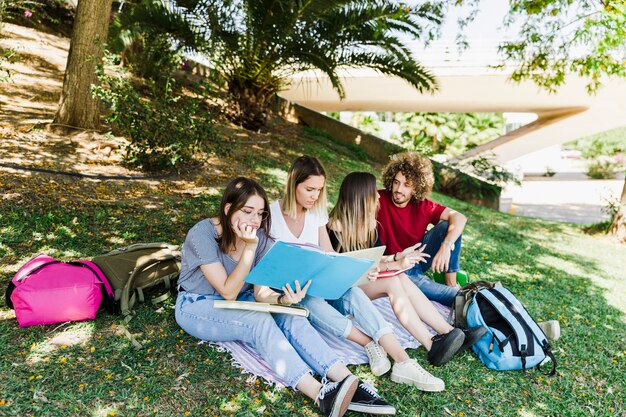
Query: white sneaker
point(410, 372)
point(379, 363)
point(552, 329)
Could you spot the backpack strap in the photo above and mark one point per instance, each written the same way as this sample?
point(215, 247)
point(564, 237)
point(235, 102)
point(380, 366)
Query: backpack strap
point(127, 300)
point(511, 318)
point(547, 349)
point(108, 296)
point(23, 274)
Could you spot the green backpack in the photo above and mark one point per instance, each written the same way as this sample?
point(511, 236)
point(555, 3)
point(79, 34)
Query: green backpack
point(135, 268)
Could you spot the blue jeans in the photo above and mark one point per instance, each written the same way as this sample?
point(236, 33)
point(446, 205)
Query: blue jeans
point(330, 315)
point(288, 343)
point(431, 289)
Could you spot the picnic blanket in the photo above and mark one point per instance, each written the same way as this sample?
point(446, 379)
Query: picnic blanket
point(250, 362)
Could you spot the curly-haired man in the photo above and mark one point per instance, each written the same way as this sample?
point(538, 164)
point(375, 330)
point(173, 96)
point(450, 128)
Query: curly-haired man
point(403, 218)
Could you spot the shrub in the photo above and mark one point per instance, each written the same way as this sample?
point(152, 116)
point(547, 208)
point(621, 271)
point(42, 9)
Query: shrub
point(6, 56)
point(55, 16)
point(166, 130)
point(155, 59)
point(602, 167)
point(479, 179)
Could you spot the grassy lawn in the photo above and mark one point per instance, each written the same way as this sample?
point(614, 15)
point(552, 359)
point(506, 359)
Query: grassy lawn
point(92, 368)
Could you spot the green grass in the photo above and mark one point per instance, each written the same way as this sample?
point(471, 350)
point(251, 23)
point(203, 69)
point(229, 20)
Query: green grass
point(92, 368)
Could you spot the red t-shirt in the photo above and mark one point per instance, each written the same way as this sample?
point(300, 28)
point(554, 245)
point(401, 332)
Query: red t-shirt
point(401, 227)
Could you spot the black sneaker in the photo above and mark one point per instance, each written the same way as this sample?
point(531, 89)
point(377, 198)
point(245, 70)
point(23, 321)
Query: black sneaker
point(367, 400)
point(472, 335)
point(334, 397)
point(445, 346)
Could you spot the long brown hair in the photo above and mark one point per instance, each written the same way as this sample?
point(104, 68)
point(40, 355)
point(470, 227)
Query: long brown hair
point(237, 193)
point(353, 219)
point(302, 168)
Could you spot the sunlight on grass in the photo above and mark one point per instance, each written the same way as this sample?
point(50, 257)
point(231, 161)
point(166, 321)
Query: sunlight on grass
point(116, 240)
point(526, 413)
point(7, 315)
point(76, 334)
point(561, 264)
point(278, 174)
point(104, 411)
point(514, 272)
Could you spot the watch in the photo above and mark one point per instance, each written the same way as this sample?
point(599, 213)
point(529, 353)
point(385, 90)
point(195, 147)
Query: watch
point(449, 244)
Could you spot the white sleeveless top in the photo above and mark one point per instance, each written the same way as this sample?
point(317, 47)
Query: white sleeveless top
point(310, 232)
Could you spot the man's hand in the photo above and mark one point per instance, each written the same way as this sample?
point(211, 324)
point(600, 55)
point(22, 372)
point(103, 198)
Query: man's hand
point(441, 261)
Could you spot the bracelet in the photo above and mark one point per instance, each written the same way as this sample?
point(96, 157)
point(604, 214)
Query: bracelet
point(279, 300)
point(394, 256)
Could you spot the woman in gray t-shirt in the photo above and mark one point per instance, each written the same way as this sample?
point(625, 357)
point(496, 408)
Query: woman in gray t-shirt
point(217, 256)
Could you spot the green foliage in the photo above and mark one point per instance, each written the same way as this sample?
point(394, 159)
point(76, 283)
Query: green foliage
point(6, 56)
point(557, 37)
point(255, 45)
point(485, 167)
point(166, 130)
point(150, 36)
point(602, 167)
point(368, 123)
point(49, 15)
point(607, 143)
point(448, 133)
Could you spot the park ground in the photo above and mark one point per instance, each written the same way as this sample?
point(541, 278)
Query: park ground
point(93, 368)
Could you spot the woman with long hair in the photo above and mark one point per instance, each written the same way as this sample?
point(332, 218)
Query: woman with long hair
point(218, 254)
point(301, 217)
point(352, 226)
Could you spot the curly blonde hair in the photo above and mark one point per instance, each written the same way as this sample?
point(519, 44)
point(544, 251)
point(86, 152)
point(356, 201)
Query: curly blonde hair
point(417, 169)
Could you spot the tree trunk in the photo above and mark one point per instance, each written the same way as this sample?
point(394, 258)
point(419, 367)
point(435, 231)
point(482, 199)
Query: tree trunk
point(618, 228)
point(77, 106)
point(250, 102)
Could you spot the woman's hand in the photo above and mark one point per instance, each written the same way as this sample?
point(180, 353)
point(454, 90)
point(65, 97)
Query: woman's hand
point(246, 232)
point(294, 297)
point(372, 274)
point(412, 255)
point(401, 255)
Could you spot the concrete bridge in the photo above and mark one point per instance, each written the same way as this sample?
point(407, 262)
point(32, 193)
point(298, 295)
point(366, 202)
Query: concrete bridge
point(568, 114)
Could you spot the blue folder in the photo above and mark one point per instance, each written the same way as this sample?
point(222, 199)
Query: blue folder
point(331, 274)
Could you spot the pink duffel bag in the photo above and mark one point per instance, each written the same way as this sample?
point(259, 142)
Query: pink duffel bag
point(47, 291)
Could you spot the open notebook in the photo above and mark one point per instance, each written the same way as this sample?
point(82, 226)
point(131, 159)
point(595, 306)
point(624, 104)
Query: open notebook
point(373, 254)
point(331, 274)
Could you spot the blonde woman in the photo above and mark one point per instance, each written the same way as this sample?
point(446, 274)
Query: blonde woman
point(300, 217)
point(352, 226)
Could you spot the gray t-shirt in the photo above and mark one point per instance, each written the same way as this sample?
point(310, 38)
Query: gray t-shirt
point(202, 248)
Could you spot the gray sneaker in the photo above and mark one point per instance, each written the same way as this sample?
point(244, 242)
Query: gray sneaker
point(409, 372)
point(379, 363)
point(552, 329)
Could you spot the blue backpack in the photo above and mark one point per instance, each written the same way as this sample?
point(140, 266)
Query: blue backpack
point(514, 340)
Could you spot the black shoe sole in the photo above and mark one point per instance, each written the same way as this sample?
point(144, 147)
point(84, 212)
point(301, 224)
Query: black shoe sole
point(454, 347)
point(475, 338)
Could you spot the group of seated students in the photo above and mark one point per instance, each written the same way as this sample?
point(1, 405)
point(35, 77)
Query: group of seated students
point(219, 252)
